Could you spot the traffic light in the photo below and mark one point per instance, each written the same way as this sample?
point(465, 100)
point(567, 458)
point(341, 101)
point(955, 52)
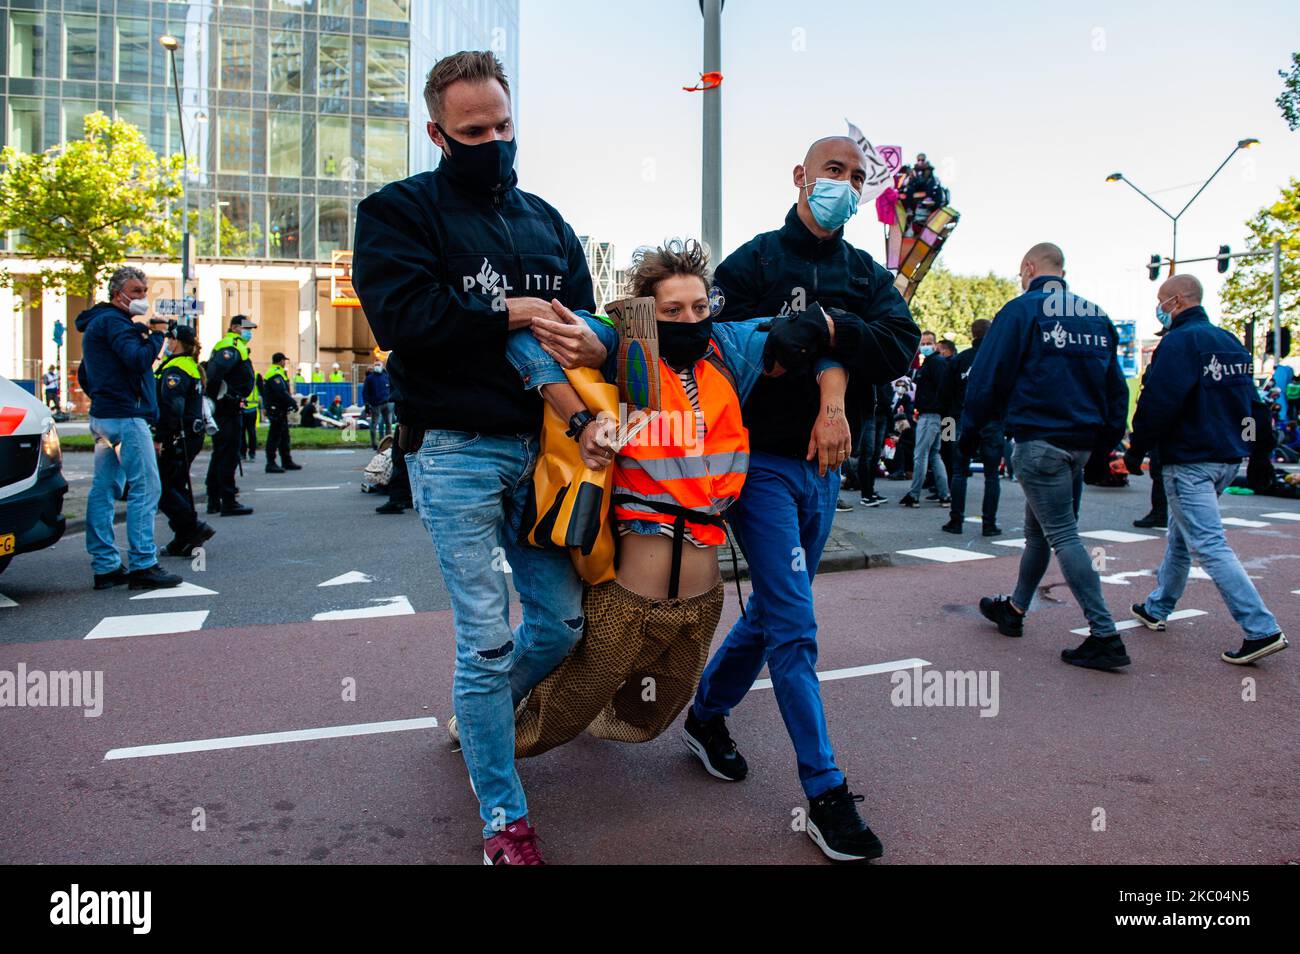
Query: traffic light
point(1286, 342)
point(1224, 261)
point(1153, 270)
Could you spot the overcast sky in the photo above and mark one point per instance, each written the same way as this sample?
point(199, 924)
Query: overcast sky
point(1024, 108)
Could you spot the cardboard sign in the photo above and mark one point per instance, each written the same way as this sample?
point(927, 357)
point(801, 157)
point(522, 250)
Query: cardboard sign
point(638, 352)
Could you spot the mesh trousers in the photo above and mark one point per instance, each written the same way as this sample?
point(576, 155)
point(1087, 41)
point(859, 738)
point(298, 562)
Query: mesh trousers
point(632, 673)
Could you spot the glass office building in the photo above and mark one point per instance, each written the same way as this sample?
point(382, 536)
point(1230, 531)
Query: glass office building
point(292, 111)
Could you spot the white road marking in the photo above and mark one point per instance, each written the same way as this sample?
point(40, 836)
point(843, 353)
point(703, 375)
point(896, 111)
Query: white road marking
point(832, 674)
point(946, 554)
point(393, 606)
point(1196, 573)
point(1121, 579)
point(1240, 522)
point(352, 576)
point(1134, 624)
point(284, 490)
point(1282, 515)
point(974, 519)
point(1116, 536)
point(1013, 542)
point(6, 601)
point(270, 738)
point(337, 452)
point(148, 624)
point(185, 589)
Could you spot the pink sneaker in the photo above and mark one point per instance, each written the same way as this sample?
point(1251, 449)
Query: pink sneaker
point(517, 845)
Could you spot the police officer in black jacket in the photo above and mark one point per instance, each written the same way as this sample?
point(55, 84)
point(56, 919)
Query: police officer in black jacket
point(788, 502)
point(230, 380)
point(988, 448)
point(277, 395)
point(178, 437)
point(445, 264)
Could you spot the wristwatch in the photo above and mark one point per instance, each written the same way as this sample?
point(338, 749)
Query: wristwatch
point(579, 421)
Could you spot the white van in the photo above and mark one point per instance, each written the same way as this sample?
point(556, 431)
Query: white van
point(31, 475)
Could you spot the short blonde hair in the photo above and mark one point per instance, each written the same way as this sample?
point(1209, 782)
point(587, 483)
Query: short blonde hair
point(476, 66)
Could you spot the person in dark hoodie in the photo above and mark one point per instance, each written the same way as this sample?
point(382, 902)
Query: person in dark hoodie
point(117, 357)
point(1049, 368)
point(446, 263)
point(799, 437)
point(1199, 408)
point(988, 448)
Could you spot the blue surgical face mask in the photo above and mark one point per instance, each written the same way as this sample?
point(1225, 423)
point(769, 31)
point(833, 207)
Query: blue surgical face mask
point(246, 335)
point(927, 350)
point(832, 202)
point(1163, 316)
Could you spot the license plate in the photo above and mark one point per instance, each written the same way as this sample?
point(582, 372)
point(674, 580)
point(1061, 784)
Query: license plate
point(6, 544)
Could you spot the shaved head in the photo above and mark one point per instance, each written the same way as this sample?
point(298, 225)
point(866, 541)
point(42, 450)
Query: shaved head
point(839, 144)
point(1187, 287)
point(833, 157)
point(1043, 259)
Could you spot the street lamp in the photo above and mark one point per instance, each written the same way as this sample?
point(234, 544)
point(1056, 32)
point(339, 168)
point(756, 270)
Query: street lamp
point(1173, 258)
point(171, 44)
point(711, 165)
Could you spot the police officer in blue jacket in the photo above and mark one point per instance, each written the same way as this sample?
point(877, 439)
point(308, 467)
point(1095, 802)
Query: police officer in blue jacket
point(1048, 367)
point(1199, 408)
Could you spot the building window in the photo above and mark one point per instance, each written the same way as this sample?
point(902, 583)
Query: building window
point(26, 44)
point(132, 51)
point(336, 8)
point(332, 226)
point(385, 150)
point(80, 39)
point(286, 62)
point(284, 229)
point(335, 60)
point(285, 144)
point(294, 6)
point(75, 112)
point(236, 58)
point(334, 148)
point(386, 71)
point(390, 9)
point(137, 114)
point(236, 133)
point(25, 124)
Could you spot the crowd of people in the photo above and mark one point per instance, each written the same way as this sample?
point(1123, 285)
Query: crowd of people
point(765, 394)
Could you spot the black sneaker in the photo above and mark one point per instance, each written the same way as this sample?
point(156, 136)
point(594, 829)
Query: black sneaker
point(274, 469)
point(1098, 653)
point(954, 525)
point(1139, 610)
point(290, 465)
point(153, 578)
point(1151, 520)
point(106, 581)
point(184, 546)
point(391, 507)
point(992, 531)
point(908, 500)
point(1253, 649)
point(236, 510)
point(213, 506)
point(932, 497)
point(838, 830)
point(874, 500)
point(713, 746)
point(998, 610)
point(945, 501)
point(841, 506)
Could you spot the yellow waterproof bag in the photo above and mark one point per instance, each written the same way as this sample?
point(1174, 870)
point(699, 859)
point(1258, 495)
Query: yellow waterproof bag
point(569, 503)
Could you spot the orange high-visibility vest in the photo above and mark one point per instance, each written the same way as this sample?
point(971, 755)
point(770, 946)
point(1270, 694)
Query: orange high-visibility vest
point(665, 468)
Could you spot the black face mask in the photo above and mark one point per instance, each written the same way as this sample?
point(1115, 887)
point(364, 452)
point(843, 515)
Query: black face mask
point(682, 343)
point(483, 167)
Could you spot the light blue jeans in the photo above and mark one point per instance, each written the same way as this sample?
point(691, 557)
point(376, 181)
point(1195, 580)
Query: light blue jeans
point(470, 490)
point(929, 428)
point(1195, 527)
point(123, 454)
point(1049, 476)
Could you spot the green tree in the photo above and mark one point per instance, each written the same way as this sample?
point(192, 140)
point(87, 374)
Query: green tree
point(88, 204)
point(947, 304)
point(1248, 292)
point(1289, 100)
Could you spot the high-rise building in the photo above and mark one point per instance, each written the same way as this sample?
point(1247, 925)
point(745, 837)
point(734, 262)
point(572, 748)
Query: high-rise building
point(293, 110)
point(600, 262)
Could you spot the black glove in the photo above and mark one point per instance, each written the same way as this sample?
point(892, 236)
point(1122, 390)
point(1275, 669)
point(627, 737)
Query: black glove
point(1133, 462)
point(794, 341)
point(1259, 473)
point(969, 442)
